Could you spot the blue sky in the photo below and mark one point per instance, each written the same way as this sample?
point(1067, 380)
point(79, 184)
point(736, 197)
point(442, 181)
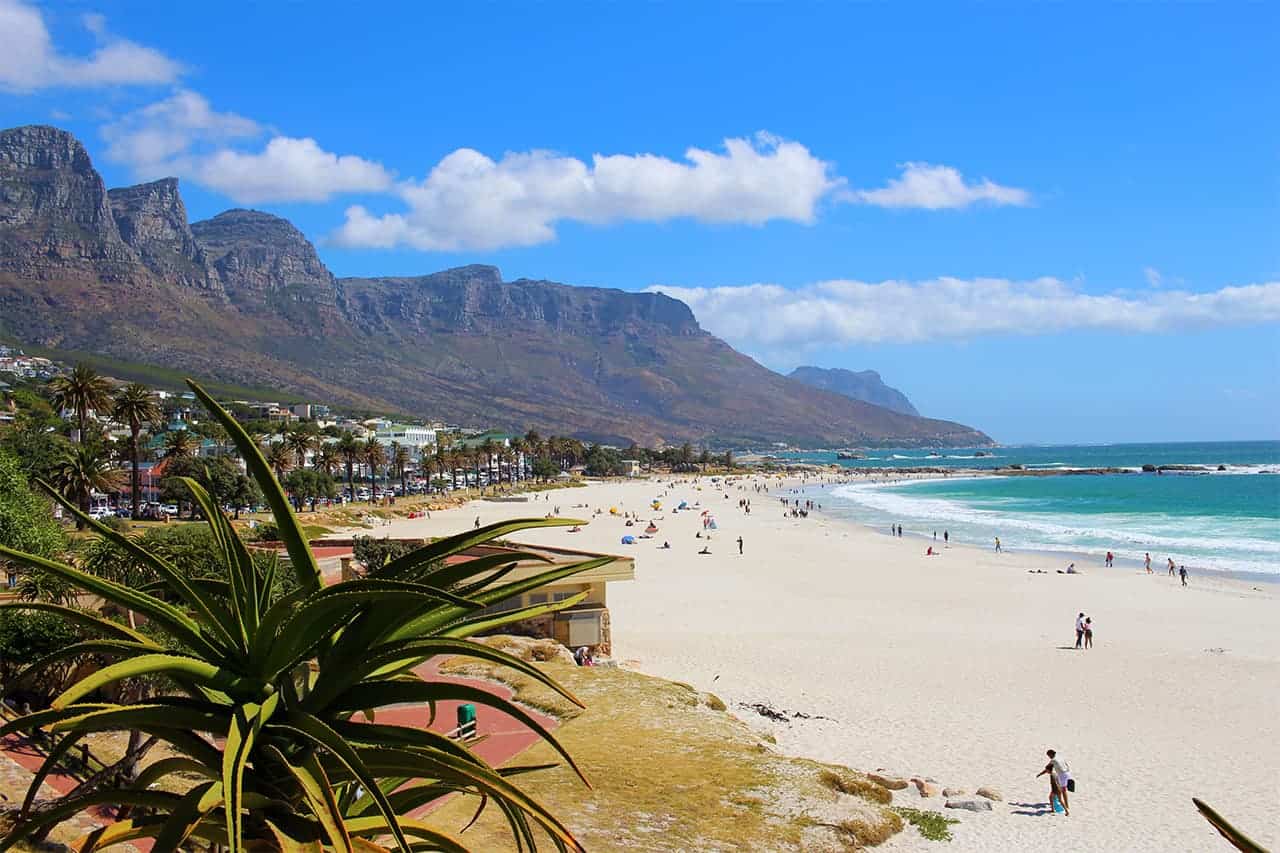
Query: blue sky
point(1053, 222)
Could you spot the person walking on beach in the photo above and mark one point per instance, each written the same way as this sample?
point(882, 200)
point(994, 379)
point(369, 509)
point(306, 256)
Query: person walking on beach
point(1059, 779)
point(1080, 631)
point(1110, 559)
point(1148, 563)
point(946, 537)
point(739, 546)
point(1088, 632)
point(1182, 571)
point(1171, 567)
point(998, 545)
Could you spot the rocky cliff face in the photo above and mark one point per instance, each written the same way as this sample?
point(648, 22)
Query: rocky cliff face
point(54, 214)
point(152, 219)
point(244, 298)
point(262, 258)
point(475, 300)
point(865, 385)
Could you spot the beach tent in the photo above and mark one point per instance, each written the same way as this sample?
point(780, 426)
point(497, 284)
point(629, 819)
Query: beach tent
point(713, 525)
point(652, 528)
point(628, 540)
point(683, 505)
point(613, 510)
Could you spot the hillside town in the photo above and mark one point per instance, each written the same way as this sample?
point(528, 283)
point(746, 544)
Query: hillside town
point(128, 437)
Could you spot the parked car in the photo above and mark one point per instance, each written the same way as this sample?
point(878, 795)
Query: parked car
point(124, 512)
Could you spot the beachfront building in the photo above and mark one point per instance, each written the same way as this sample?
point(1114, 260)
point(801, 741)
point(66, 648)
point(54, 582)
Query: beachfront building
point(631, 467)
point(407, 435)
point(585, 623)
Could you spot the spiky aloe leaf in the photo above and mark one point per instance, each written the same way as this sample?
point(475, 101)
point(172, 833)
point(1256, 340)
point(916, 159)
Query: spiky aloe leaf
point(321, 735)
point(82, 618)
point(1238, 839)
point(246, 723)
point(311, 778)
point(450, 545)
point(215, 615)
point(290, 531)
point(471, 627)
point(380, 693)
point(181, 666)
point(192, 810)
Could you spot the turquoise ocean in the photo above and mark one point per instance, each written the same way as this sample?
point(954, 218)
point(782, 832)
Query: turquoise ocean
point(1218, 521)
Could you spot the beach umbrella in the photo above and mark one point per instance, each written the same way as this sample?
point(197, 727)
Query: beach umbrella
point(652, 528)
point(628, 540)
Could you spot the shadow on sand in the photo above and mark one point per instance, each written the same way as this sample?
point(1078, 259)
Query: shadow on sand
point(1032, 809)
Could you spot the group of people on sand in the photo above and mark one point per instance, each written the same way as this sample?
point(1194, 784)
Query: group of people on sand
point(1174, 569)
point(1084, 631)
point(1061, 782)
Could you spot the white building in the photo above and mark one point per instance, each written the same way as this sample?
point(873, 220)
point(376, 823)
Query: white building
point(407, 435)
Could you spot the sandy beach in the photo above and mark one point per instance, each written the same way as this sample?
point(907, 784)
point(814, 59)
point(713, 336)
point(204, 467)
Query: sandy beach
point(959, 667)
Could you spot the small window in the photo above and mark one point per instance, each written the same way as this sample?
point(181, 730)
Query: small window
point(561, 596)
point(537, 598)
point(512, 603)
point(13, 580)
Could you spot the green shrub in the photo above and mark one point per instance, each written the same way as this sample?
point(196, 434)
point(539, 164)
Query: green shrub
point(932, 825)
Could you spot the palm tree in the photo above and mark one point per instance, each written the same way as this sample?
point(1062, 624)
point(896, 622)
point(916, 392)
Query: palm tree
point(180, 444)
point(349, 448)
point(301, 442)
point(82, 391)
point(135, 406)
point(519, 450)
point(375, 456)
point(280, 458)
point(400, 459)
point(488, 448)
point(327, 458)
point(85, 470)
point(268, 697)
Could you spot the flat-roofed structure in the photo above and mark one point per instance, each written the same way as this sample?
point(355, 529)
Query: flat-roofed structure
point(586, 623)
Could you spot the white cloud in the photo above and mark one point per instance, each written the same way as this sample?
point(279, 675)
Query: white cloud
point(153, 138)
point(289, 170)
point(932, 187)
point(1152, 275)
point(470, 201)
point(183, 135)
point(30, 61)
point(767, 318)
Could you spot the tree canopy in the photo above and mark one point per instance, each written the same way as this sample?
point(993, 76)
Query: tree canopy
point(26, 519)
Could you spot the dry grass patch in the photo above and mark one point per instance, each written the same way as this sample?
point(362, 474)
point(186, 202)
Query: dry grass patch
point(669, 773)
point(844, 782)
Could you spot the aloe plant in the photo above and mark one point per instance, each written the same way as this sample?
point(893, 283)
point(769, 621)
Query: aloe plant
point(1235, 837)
point(274, 695)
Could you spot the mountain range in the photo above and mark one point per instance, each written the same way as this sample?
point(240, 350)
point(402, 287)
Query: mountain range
point(244, 298)
point(865, 385)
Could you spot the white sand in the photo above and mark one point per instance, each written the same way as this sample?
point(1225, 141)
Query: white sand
point(953, 667)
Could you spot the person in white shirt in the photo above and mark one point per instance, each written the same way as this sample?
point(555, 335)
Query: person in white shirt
point(1080, 631)
point(1059, 780)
